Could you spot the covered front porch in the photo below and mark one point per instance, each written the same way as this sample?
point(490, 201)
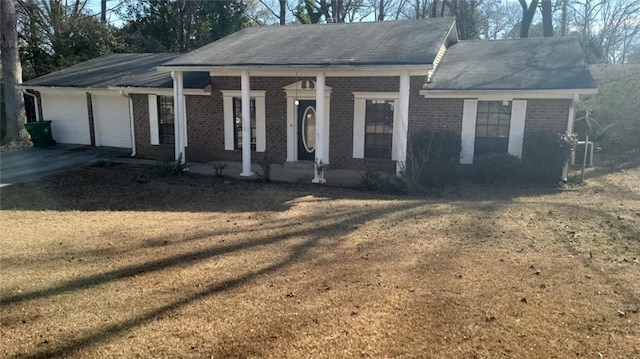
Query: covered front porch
point(306, 115)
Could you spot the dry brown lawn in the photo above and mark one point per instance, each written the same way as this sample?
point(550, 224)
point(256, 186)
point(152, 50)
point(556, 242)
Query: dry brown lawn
point(113, 262)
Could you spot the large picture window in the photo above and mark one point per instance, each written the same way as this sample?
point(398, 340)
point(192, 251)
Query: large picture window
point(166, 117)
point(237, 116)
point(378, 140)
point(492, 127)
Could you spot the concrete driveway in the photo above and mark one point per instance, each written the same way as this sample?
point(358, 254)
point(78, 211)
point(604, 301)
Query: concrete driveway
point(33, 163)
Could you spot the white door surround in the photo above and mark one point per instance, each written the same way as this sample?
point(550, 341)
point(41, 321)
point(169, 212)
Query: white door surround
point(305, 90)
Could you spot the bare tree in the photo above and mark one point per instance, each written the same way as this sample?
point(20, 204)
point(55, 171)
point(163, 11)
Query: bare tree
point(11, 71)
point(547, 18)
point(609, 29)
point(499, 19)
point(528, 11)
point(103, 11)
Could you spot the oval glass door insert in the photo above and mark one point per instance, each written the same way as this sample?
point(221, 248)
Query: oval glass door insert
point(309, 129)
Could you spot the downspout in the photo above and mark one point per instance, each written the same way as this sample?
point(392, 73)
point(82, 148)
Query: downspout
point(131, 122)
point(35, 102)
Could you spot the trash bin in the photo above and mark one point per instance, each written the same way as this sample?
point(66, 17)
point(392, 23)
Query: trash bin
point(40, 133)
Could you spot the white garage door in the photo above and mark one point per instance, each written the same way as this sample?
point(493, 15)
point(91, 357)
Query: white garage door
point(111, 120)
point(69, 117)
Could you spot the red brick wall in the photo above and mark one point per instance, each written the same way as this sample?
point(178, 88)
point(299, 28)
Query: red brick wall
point(202, 130)
point(144, 149)
point(547, 114)
point(205, 119)
point(341, 130)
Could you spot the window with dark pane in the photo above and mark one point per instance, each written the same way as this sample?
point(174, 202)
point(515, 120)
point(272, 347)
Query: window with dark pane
point(378, 129)
point(237, 118)
point(166, 115)
point(492, 127)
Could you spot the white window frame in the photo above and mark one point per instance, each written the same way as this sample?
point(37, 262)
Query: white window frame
point(359, 113)
point(154, 124)
point(516, 127)
point(229, 123)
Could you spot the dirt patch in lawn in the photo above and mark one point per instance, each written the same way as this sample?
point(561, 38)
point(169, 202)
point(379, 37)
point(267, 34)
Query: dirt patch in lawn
point(115, 262)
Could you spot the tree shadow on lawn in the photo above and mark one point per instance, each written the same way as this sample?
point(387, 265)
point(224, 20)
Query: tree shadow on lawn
point(136, 188)
point(332, 225)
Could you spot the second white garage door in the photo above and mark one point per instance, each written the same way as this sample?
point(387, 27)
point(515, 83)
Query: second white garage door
point(111, 120)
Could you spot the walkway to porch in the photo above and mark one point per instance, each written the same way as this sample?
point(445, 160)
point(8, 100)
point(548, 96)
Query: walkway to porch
point(299, 172)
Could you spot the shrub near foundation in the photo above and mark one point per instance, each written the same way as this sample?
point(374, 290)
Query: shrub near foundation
point(496, 168)
point(433, 160)
point(544, 154)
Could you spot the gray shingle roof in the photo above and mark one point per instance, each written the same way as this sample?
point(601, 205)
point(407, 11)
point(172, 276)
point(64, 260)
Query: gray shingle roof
point(409, 42)
point(517, 64)
point(124, 70)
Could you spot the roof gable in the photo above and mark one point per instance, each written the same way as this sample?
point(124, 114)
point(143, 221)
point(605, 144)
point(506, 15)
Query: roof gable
point(408, 42)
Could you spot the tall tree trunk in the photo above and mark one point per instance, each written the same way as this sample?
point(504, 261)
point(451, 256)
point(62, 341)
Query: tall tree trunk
point(563, 26)
point(381, 11)
point(283, 12)
point(11, 71)
point(103, 11)
point(434, 8)
point(527, 16)
point(547, 19)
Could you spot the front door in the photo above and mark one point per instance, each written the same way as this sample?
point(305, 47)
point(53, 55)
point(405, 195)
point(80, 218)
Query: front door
point(307, 130)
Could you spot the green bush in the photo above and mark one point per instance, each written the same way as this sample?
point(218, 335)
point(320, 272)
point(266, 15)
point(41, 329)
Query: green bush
point(170, 167)
point(375, 182)
point(493, 168)
point(433, 159)
point(544, 154)
point(265, 165)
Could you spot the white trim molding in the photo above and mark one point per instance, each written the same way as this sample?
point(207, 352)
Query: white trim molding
point(468, 134)
point(154, 134)
point(229, 122)
point(488, 95)
point(516, 127)
point(302, 90)
point(359, 127)
point(305, 71)
point(161, 91)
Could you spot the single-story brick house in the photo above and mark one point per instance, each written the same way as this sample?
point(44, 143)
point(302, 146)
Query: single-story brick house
point(344, 95)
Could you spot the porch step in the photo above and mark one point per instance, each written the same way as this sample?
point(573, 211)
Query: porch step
point(303, 165)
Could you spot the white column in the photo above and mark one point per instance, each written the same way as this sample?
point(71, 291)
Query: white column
point(178, 120)
point(570, 120)
point(403, 130)
point(318, 176)
point(245, 87)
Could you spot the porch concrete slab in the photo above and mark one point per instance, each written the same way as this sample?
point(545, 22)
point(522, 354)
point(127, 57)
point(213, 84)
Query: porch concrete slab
point(33, 163)
point(289, 172)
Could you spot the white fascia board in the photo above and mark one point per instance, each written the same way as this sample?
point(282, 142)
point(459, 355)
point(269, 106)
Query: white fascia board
point(238, 93)
point(161, 91)
point(508, 94)
point(376, 95)
point(52, 89)
point(332, 71)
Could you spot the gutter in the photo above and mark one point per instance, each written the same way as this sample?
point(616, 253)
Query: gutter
point(131, 122)
point(35, 102)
